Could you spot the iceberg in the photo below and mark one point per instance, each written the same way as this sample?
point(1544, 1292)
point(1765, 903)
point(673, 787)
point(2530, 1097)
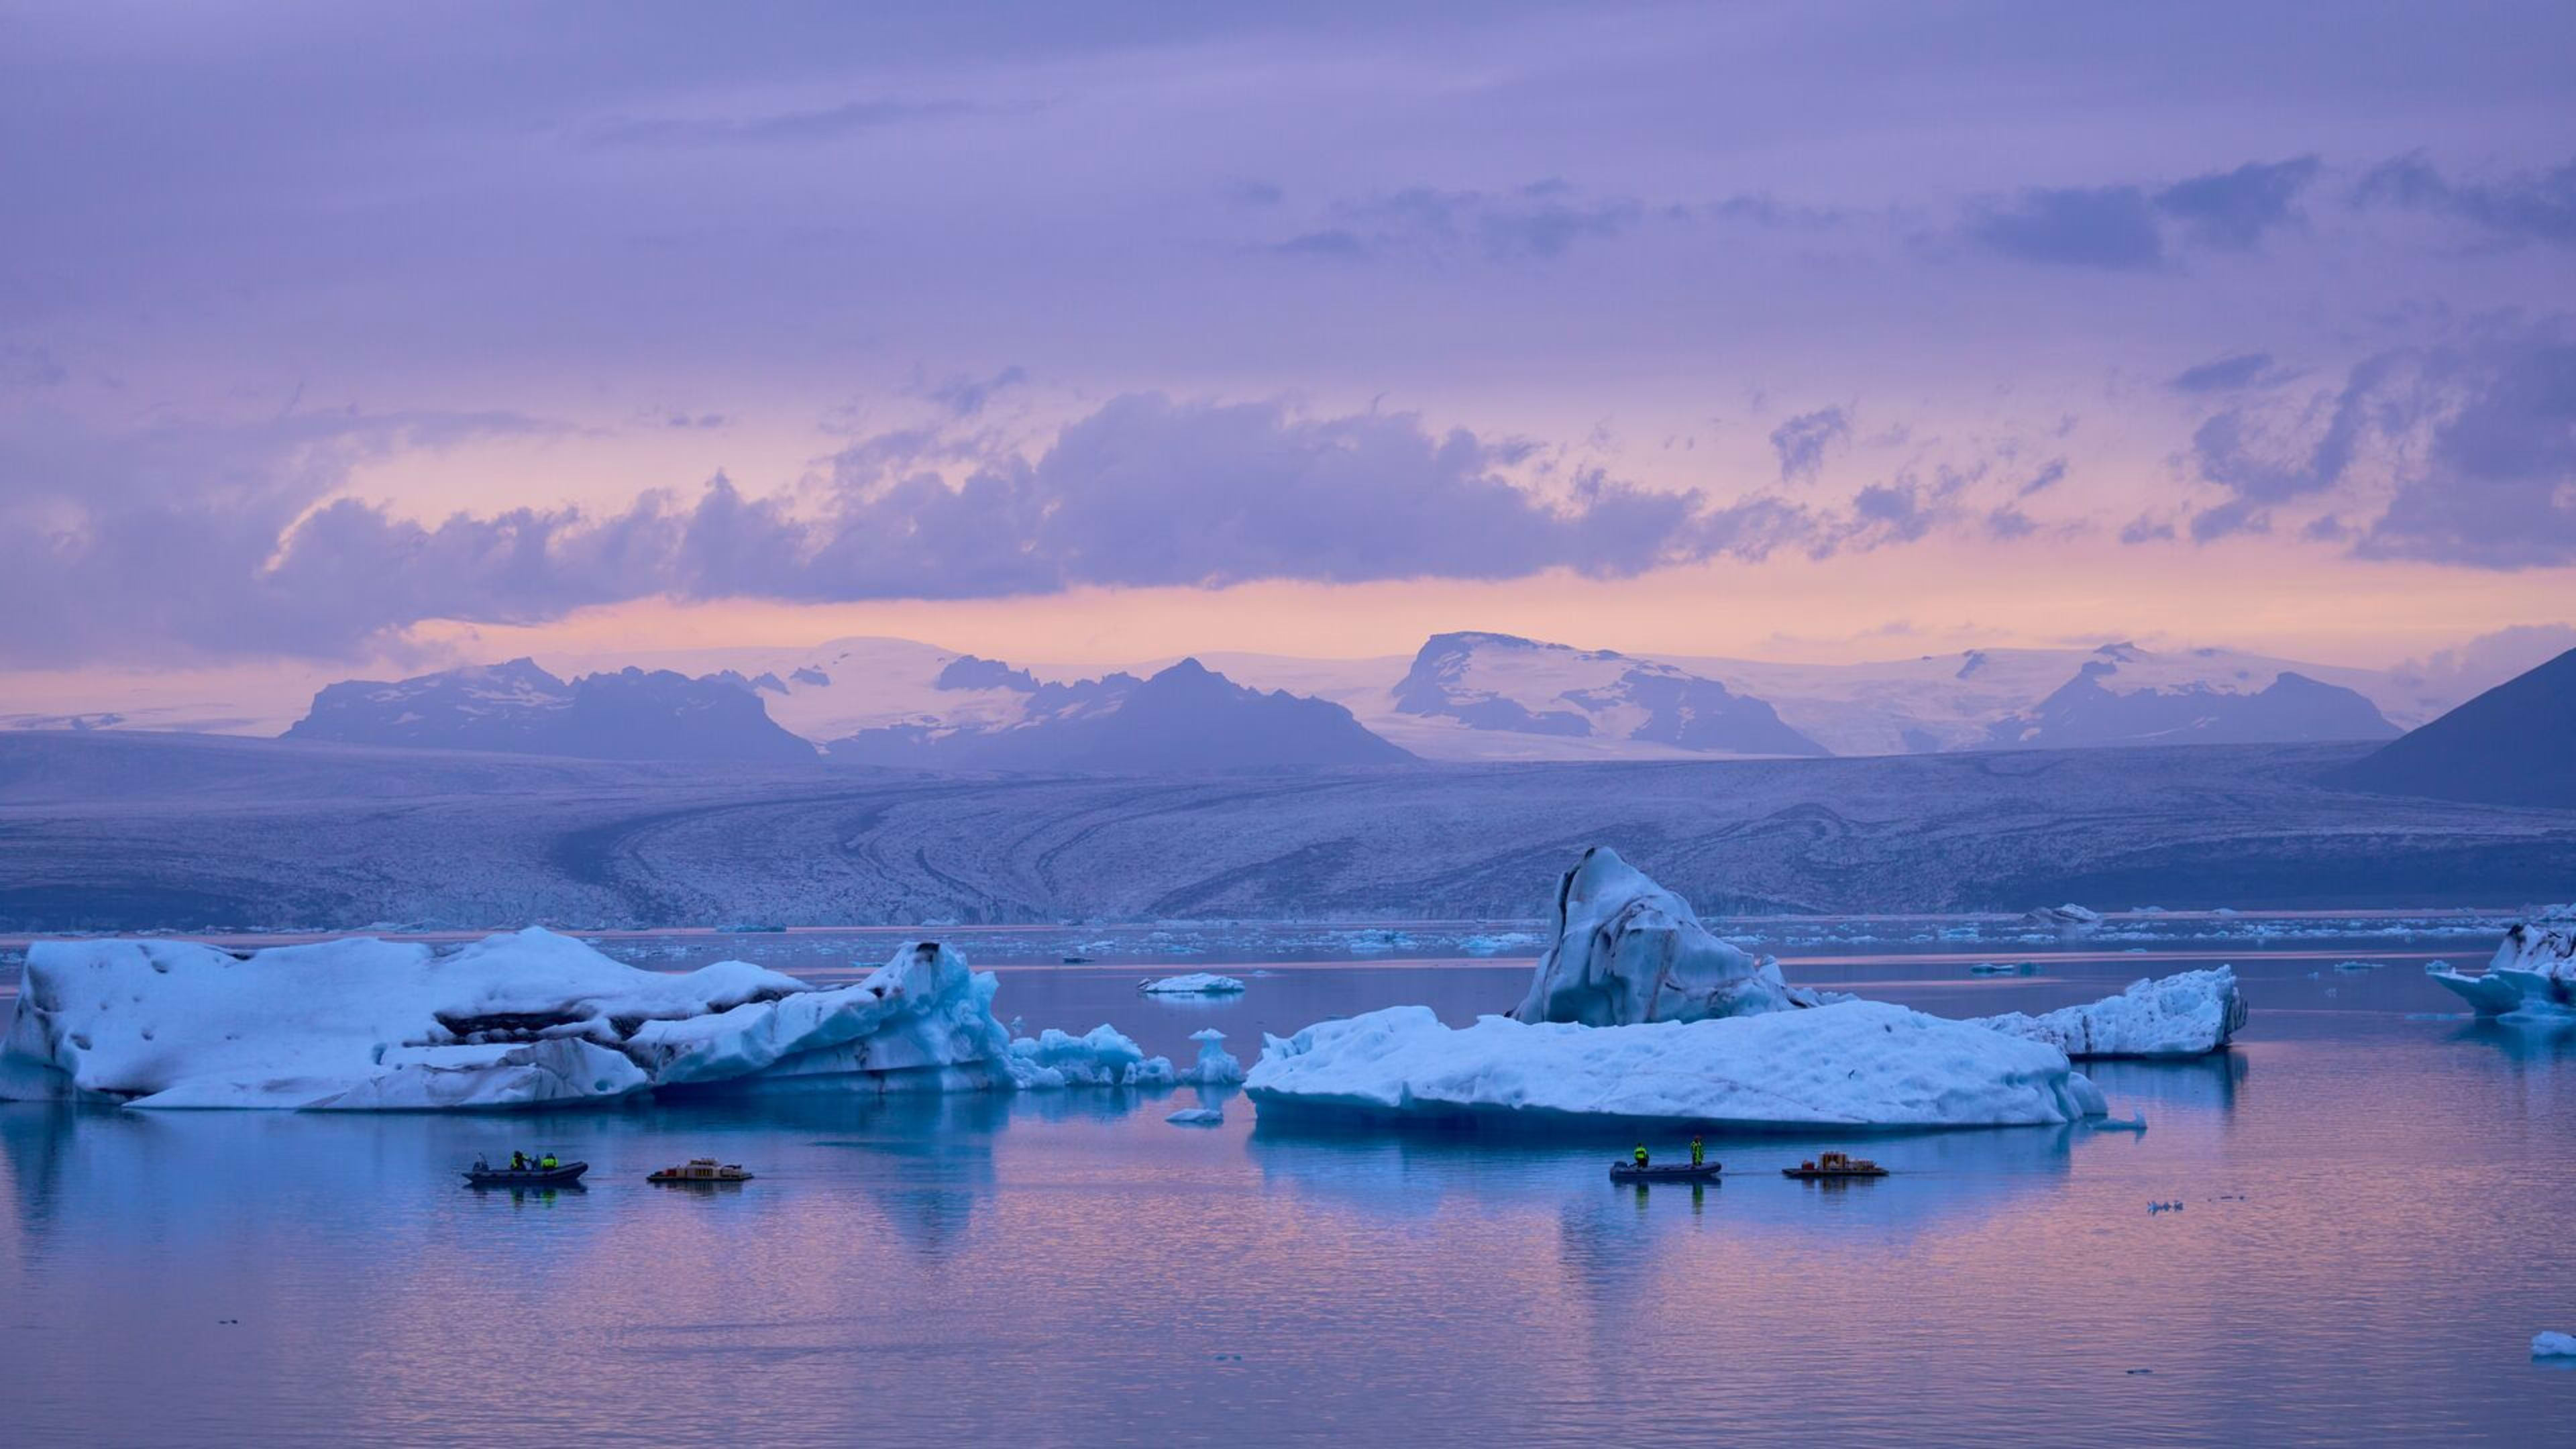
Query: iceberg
point(2533, 971)
point(2553, 1345)
point(1198, 1117)
point(2068, 917)
point(1626, 951)
point(1849, 1064)
point(1100, 1057)
point(1197, 983)
point(2189, 1014)
point(524, 1020)
point(1216, 1067)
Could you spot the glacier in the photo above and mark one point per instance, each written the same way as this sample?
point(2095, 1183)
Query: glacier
point(1850, 1064)
point(524, 1020)
point(2533, 971)
point(1626, 951)
point(2188, 1014)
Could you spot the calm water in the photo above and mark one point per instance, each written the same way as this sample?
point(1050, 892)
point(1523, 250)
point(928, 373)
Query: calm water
point(2376, 1223)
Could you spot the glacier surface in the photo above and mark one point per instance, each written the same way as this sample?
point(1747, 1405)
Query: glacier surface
point(2188, 1014)
point(1854, 1064)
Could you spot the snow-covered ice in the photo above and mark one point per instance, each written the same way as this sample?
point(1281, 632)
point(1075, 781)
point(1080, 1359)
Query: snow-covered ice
point(530, 1019)
point(1198, 1117)
point(2533, 971)
point(2066, 917)
point(1849, 1064)
point(2188, 1014)
point(1627, 951)
point(1197, 983)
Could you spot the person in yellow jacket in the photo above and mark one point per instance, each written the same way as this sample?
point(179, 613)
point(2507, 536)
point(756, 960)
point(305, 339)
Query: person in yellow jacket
point(1699, 1154)
point(548, 1162)
point(1641, 1154)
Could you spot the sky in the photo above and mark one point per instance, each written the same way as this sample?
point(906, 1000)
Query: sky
point(342, 339)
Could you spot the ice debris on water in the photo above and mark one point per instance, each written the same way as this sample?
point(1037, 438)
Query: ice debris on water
point(2165, 1207)
point(1198, 1117)
point(2548, 1344)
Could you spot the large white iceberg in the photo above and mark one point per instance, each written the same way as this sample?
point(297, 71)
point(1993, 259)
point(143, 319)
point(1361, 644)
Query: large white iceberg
point(525, 1020)
point(1627, 951)
point(1851, 1064)
point(2533, 970)
point(2189, 1014)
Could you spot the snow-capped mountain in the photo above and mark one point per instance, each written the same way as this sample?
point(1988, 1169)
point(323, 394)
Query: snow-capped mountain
point(520, 708)
point(1501, 683)
point(2101, 707)
point(1184, 717)
point(2513, 745)
point(1986, 698)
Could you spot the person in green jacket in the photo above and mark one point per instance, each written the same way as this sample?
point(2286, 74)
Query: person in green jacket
point(548, 1162)
point(1699, 1154)
point(1641, 1154)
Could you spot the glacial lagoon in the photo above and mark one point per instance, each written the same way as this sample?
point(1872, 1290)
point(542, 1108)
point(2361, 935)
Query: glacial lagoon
point(2374, 1192)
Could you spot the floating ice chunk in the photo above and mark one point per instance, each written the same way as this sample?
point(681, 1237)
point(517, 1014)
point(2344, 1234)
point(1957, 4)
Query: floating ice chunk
point(2553, 1345)
point(2066, 917)
point(1100, 1057)
point(1216, 1067)
point(530, 1019)
point(1197, 1117)
point(1197, 983)
point(2185, 1015)
point(1849, 1064)
point(1627, 951)
point(2532, 973)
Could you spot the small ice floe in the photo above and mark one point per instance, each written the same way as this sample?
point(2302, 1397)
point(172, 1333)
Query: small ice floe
point(2553, 1345)
point(2165, 1207)
point(2353, 966)
point(2066, 917)
point(1216, 1067)
point(1198, 1117)
point(1998, 968)
point(2135, 1123)
point(1197, 983)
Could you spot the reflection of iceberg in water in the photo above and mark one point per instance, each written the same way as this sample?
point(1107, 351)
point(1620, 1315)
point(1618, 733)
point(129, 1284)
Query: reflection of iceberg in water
point(2192, 1084)
point(1944, 1174)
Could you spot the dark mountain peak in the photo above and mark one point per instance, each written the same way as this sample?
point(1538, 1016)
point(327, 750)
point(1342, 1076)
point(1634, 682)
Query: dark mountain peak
point(2292, 707)
point(2509, 746)
point(1185, 717)
point(516, 706)
point(967, 671)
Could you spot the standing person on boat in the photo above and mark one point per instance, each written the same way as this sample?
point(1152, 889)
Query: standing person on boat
point(548, 1162)
point(1699, 1154)
point(518, 1160)
point(1641, 1154)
